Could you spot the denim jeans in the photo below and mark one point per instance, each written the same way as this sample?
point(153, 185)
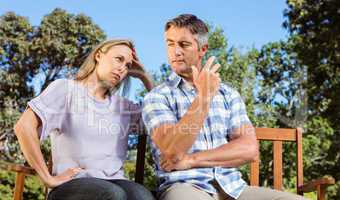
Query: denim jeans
point(99, 189)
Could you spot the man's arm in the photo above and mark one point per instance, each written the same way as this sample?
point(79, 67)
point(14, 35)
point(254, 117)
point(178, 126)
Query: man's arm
point(242, 148)
point(174, 140)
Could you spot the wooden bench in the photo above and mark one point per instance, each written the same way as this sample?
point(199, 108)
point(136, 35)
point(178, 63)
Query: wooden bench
point(276, 135)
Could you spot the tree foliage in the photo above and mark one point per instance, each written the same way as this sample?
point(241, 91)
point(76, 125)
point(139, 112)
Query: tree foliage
point(314, 26)
point(291, 83)
point(30, 58)
point(43, 53)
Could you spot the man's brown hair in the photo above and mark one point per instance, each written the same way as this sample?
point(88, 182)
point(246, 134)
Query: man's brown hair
point(195, 25)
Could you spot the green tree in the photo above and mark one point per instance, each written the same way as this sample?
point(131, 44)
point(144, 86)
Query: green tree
point(282, 83)
point(42, 53)
point(51, 50)
point(314, 28)
point(15, 63)
point(315, 31)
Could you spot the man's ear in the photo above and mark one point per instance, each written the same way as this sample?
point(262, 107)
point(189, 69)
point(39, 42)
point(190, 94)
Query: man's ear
point(203, 50)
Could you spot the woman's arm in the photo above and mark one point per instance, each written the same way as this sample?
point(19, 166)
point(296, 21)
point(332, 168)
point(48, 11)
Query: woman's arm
point(137, 70)
point(26, 130)
point(145, 78)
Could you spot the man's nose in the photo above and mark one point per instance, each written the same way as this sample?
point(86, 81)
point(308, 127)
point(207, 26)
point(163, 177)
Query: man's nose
point(178, 51)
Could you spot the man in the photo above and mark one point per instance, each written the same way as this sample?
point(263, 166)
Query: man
point(199, 127)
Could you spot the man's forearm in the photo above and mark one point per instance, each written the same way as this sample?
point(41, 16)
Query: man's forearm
point(175, 140)
point(227, 164)
point(234, 154)
point(178, 139)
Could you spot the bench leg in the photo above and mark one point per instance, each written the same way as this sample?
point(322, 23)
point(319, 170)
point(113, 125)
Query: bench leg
point(321, 192)
point(19, 186)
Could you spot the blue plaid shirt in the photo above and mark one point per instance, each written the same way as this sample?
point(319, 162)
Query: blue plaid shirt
point(167, 103)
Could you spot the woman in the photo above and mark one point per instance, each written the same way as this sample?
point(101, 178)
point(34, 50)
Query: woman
point(88, 124)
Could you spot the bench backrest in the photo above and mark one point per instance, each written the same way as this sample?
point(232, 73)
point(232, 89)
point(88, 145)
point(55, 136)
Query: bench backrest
point(278, 136)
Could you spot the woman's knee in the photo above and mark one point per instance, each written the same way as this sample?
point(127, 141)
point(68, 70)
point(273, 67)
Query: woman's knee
point(105, 190)
point(134, 190)
point(114, 193)
point(88, 188)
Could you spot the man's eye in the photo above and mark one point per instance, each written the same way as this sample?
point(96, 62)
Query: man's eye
point(170, 44)
point(185, 45)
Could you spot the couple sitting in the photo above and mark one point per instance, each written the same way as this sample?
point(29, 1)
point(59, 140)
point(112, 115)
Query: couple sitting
point(199, 129)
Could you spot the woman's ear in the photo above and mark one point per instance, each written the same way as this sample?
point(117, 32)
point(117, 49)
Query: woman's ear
point(97, 56)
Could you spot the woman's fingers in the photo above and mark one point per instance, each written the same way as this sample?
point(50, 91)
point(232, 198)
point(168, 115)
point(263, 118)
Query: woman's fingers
point(137, 65)
point(64, 177)
point(72, 172)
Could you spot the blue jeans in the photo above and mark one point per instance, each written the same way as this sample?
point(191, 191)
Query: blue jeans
point(99, 189)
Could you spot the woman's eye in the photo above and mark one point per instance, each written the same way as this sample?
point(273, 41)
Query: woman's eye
point(119, 59)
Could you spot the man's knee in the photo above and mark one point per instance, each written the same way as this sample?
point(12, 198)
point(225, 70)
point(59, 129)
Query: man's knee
point(183, 191)
point(261, 193)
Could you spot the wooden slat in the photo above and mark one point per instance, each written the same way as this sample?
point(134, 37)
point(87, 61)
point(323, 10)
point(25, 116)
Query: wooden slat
point(321, 192)
point(141, 146)
point(276, 134)
point(255, 173)
point(299, 161)
point(19, 186)
point(277, 156)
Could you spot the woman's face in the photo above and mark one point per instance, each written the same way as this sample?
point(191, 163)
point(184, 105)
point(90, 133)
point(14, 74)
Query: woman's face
point(112, 66)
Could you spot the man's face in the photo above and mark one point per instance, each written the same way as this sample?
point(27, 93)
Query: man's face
point(183, 51)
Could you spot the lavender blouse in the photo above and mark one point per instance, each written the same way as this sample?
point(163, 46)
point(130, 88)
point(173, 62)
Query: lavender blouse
point(85, 132)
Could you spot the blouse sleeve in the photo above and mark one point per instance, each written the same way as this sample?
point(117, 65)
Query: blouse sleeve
point(50, 106)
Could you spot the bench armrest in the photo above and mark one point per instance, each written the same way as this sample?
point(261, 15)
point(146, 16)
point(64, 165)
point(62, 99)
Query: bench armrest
point(17, 168)
point(313, 185)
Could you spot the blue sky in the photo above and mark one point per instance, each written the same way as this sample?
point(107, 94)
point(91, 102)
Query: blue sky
point(246, 23)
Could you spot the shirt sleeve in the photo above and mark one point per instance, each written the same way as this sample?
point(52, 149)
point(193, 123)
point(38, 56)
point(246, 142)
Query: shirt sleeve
point(238, 114)
point(157, 111)
point(50, 106)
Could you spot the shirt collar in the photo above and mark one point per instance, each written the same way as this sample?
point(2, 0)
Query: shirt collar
point(173, 79)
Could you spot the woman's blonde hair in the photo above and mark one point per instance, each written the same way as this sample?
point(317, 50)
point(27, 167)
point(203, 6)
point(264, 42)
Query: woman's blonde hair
point(89, 65)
